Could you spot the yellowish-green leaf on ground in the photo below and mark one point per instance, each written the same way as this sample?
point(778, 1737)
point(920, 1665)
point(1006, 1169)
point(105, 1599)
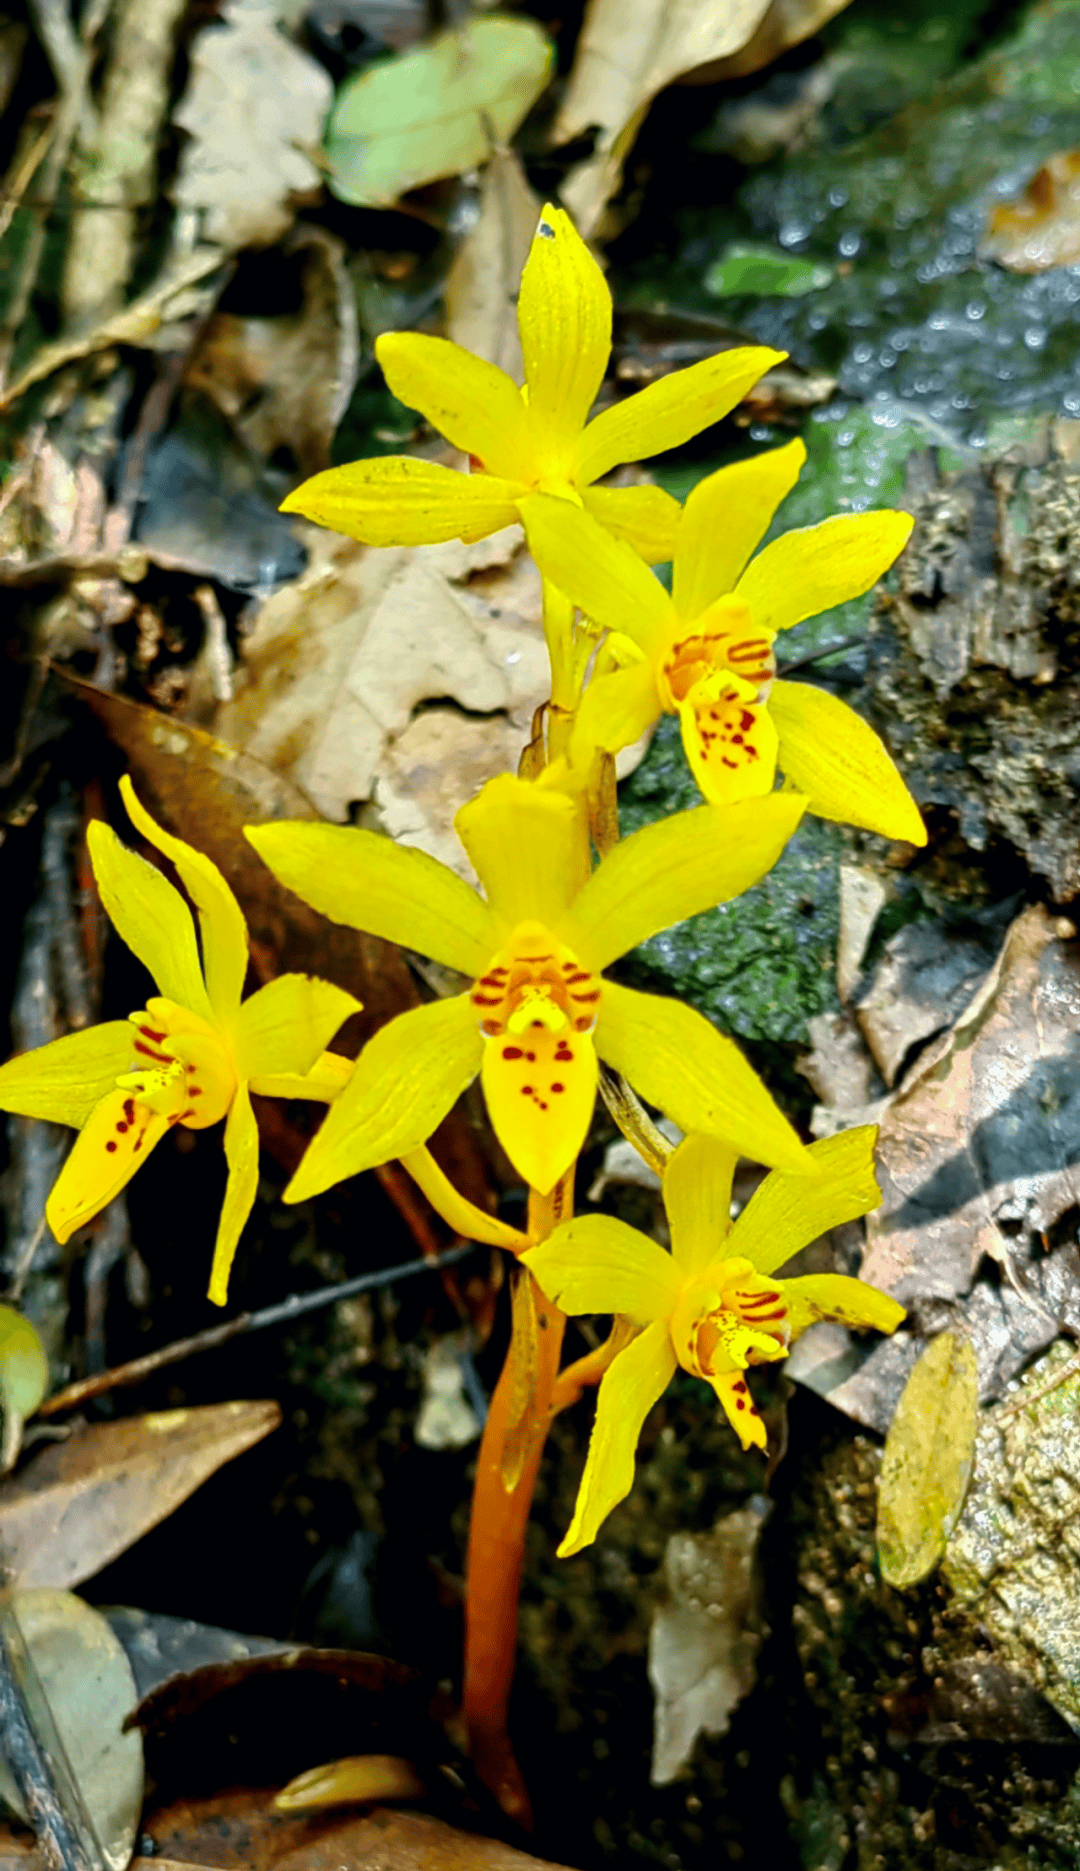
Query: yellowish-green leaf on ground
point(928, 1458)
point(24, 1379)
point(435, 110)
point(482, 284)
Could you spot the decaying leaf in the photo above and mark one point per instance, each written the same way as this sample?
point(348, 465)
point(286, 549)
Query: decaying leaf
point(243, 1832)
point(1012, 1560)
point(784, 24)
point(435, 110)
point(76, 1505)
point(704, 1641)
point(337, 663)
point(924, 980)
point(482, 284)
point(284, 382)
point(89, 1689)
point(24, 1379)
point(927, 1462)
point(446, 1418)
point(254, 110)
point(1041, 228)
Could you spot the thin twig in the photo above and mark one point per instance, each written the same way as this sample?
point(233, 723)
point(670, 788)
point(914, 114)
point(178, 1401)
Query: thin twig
point(13, 196)
point(282, 1314)
point(818, 656)
point(1025, 1400)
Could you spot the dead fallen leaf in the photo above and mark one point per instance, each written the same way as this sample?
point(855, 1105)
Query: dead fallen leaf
point(89, 1689)
point(1041, 228)
point(627, 51)
point(704, 1641)
point(359, 1780)
point(785, 24)
point(435, 110)
point(927, 1462)
point(284, 382)
point(241, 1832)
point(863, 895)
point(253, 109)
point(76, 1505)
point(337, 662)
point(925, 978)
point(482, 284)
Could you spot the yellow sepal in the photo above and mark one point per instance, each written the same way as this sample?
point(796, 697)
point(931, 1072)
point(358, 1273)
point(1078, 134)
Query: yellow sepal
point(833, 756)
point(242, 1156)
point(150, 916)
point(456, 1209)
point(645, 517)
point(224, 932)
point(327, 1078)
point(287, 1024)
point(815, 567)
point(636, 1380)
point(564, 316)
point(724, 517)
point(670, 412)
point(401, 1088)
point(837, 1296)
point(599, 1264)
point(603, 576)
point(675, 1059)
point(529, 845)
point(399, 500)
point(63, 1080)
point(368, 882)
point(697, 1197)
point(790, 1211)
point(473, 403)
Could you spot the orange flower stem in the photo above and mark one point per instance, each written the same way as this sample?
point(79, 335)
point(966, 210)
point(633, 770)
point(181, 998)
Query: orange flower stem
point(497, 1541)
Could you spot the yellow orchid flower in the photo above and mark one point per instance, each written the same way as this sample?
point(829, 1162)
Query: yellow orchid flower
point(713, 1305)
point(705, 652)
point(538, 1013)
point(539, 437)
point(191, 1056)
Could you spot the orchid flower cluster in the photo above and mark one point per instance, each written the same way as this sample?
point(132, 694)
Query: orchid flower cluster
point(561, 896)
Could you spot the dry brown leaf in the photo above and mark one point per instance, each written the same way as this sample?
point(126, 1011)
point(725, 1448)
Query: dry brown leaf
point(785, 24)
point(482, 284)
point(285, 382)
point(254, 109)
point(627, 51)
point(77, 1505)
point(338, 663)
point(241, 1832)
point(1041, 228)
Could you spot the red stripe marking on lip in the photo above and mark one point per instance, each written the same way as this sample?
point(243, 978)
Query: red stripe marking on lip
point(149, 1053)
point(148, 1033)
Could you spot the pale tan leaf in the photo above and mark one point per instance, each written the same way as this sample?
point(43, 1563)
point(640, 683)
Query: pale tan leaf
point(482, 284)
point(928, 1459)
point(89, 1689)
point(77, 1505)
point(786, 23)
point(1041, 228)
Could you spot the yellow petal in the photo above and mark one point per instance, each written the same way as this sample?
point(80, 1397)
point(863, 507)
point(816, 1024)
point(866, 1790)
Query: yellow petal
point(368, 882)
point(115, 1141)
point(790, 1211)
point(836, 1296)
point(615, 710)
point(675, 1059)
point(540, 1089)
point(669, 412)
point(724, 517)
point(224, 931)
point(647, 518)
point(456, 1210)
point(813, 568)
point(740, 1409)
point(564, 314)
point(833, 756)
point(529, 846)
point(64, 1080)
point(396, 500)
point(599, 1264)
point(697, 1197)
point(473, 403)
point(673, 869)
point(402, 1086)
point(288, 1023)
point(327, 1078)
point(730, 745)
point(603, 576)
point(150, 916)
point(242, 1156)
point(637, 1378)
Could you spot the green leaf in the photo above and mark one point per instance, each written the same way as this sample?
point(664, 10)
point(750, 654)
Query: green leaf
point(928, 1458)
point(746, 268)
point(24, 1379)
point(436, 110)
